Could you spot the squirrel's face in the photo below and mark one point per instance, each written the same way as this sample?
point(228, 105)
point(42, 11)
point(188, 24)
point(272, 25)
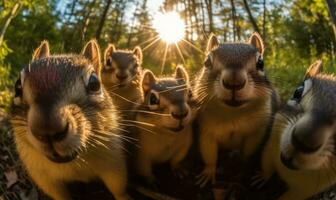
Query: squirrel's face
point(121, 68)
point(309, 136)
point(233, 72)
point(167, 100)
point(56, 102)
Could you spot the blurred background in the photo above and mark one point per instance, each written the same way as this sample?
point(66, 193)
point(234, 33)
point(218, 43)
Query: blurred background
point(296, 32)
point(170, 32)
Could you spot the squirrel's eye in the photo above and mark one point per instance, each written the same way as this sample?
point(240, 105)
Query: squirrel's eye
point(260, 64)
point(18, 88)
point(109, 62)
point(298, 93)
point(94, 83)
point(301, 91)
point(153, 99)
point(208, 63)
point(18, 92)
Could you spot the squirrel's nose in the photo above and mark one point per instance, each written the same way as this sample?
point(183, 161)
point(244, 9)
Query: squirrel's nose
point(121, 76)
point(181, 115)
point(304, 142)
point(51, 134)
point(48, 127)
point(311, 131)
point(235, 85)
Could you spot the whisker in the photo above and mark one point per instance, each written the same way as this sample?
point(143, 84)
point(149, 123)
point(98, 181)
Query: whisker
point(147, 112)
point(139, 122)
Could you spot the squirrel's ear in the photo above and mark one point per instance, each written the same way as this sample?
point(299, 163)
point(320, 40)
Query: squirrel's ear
point(138, 53)
point(108, 53)
point(181, 74)
point(148, 79)
point(42, 51)
point(257, 42)
point(314, 69)
point(212, 42)
point(91, 52)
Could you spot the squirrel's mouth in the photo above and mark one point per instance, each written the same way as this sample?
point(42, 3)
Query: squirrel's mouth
point(122, 85)
point(288, 162)
point(234, 103)
point(57, 158)
point(177, 129)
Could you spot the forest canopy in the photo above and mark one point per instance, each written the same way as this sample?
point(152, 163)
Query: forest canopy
point(296, 32)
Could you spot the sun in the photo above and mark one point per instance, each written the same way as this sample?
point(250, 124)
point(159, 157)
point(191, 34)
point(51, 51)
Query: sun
point(170, 27)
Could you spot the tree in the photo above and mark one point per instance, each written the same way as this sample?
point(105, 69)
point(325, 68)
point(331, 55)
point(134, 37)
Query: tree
point(233, 17)
point(102, 19)
point(208, 4)
point(332, 11)
point(252, 20)
point(7, 20)
point(35, 23)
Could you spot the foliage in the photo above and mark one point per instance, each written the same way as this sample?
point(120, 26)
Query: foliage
point(295, 32)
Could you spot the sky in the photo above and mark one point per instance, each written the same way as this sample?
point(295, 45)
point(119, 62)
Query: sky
point(153, 7)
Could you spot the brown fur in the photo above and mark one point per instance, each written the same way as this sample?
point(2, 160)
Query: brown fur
point(160, 141)
point(52, 91)
point(314, 169)
point(232, 118)
point(126, 93)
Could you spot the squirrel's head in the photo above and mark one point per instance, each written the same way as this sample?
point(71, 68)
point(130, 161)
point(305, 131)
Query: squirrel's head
point(58, 99)
point(309, 137)
point(167, 100)
point(234, 72)
point(121, 67)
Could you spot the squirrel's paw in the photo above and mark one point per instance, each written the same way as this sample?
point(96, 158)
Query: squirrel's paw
point(258, 181)
point(208, 174)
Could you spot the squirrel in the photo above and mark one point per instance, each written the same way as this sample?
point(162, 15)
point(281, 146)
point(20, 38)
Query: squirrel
point(121, 75)
point(168, 109)
point(301, 149)
point(65, 125)
point(237, 101)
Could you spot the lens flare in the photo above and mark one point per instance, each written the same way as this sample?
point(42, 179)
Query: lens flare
point(170, 27)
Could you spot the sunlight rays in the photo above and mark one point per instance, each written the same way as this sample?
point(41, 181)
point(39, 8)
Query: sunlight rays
point(180, 53)
point(164, 58)
point(156, 40)
point(170, 29)
point(192, 45)
point(169, 26)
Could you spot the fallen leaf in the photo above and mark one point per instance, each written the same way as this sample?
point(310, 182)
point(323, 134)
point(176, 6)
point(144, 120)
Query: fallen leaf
point(11, 177)
point(32, 195)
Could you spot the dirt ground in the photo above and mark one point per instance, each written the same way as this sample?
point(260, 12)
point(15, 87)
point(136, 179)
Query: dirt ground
point(16, 185)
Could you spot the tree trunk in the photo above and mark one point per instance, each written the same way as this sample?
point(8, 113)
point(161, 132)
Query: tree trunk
point(208, 4)
point(135, 15)
point(254, 24)
point(190, 25)
point(8, 19)
point(264, 20)
point(86, 20)
point(233, 18)
point(332, 11)
point(203, 17)
point(194, 11)
point(102, 19)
